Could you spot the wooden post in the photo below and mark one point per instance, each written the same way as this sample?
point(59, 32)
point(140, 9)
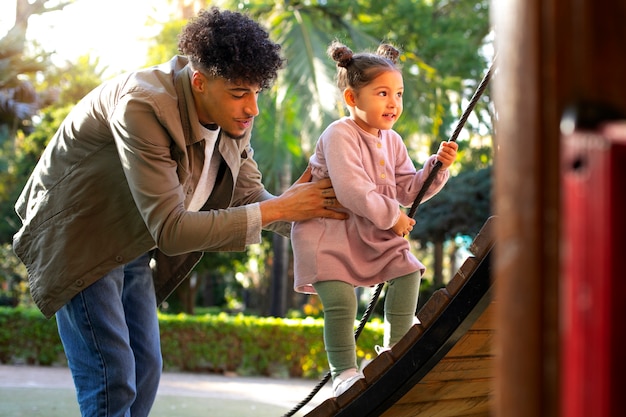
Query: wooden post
point(551, 54)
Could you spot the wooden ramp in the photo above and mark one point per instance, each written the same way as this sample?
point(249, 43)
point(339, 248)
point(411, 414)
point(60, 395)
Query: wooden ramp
point(443, 367)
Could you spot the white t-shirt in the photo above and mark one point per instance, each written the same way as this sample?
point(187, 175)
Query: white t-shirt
point(207, 182)
point(209, 170)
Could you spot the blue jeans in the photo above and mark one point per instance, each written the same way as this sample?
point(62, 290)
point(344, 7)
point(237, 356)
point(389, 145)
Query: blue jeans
point(110, 333)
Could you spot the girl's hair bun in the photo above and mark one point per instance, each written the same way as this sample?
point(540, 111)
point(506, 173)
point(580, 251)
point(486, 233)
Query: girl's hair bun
point(341, 54)
point(389, 52)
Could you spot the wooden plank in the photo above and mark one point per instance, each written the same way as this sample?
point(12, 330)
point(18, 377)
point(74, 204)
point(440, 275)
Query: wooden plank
point(462, 274)
point(408, 340)
point(458, 370)
point(487, 319)
point(484, 240)
point(433, 307)
point(451, 408)
point(380, 364)
point(474, 343)
point(447, 390)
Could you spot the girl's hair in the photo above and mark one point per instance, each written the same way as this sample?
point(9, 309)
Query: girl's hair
point(232, 46)
point(357, 70)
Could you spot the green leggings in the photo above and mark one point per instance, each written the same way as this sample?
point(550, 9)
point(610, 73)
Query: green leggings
point(340, 307)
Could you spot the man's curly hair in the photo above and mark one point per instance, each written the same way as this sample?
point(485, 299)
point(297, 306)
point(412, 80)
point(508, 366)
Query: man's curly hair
point(232, 46)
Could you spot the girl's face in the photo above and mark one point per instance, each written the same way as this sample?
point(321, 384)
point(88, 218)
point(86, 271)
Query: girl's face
point(377, 105)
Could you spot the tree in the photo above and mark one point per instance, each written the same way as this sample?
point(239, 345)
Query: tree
point(459, 209)
point(19, 101)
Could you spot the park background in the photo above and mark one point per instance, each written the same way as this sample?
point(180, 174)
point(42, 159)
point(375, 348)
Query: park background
point(242, 305)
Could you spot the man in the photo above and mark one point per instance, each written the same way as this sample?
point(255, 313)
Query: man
point(153, 165)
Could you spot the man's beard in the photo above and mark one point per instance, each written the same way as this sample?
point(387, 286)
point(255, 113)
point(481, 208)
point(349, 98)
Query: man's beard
point(214, 126)
point(236, 137)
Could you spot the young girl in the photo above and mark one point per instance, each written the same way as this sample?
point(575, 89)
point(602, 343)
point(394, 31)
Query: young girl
point(373, 177)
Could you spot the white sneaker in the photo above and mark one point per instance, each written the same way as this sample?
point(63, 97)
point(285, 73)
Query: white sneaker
point(341, 385)
point(380, 349)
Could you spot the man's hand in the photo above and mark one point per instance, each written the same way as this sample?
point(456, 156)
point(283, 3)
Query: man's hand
point(302, 201)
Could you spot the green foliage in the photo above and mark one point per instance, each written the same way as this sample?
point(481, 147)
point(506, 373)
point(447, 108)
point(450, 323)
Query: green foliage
point(460, 208)
point(20, 62)
point(442, 42)
point(72, 81)
point(27, 337)
point(207, 343)
point(225, 265)
point(165, 44)
point(13, 285)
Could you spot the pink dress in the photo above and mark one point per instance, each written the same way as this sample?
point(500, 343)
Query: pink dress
point(372, 176)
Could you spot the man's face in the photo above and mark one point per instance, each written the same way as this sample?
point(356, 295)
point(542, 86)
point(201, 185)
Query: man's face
point(232, 106)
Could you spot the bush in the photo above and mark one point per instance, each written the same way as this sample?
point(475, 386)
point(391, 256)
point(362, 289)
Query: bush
point(26, 337)
point(13, 284)
point(209, 343)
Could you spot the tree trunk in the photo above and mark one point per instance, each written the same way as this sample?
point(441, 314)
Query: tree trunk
point(452, 253)
point(280, 266)
point(278, 306)
point(190, 290)
point(438, 264)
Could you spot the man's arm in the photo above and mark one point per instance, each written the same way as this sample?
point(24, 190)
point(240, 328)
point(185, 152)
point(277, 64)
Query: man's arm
point(302, 201)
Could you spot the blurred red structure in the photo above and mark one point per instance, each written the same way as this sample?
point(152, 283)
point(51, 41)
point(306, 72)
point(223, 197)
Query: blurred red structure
point(593, 284)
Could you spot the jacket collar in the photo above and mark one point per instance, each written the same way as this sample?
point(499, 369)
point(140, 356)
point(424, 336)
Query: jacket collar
point(186, 105)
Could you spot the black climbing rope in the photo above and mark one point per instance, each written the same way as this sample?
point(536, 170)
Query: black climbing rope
point(470, 107)
point(418, 199)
